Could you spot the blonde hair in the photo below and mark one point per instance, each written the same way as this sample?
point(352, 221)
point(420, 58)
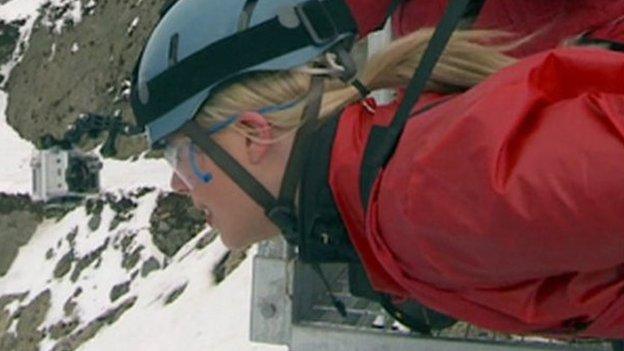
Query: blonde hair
point(467, 61)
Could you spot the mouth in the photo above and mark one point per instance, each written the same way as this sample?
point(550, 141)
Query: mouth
point(208, 215)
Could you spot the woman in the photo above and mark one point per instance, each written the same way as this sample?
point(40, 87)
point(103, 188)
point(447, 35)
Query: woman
point(501, 205)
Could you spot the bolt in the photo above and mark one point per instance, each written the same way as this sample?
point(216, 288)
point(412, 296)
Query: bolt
point(325, 238)
point(268, 310)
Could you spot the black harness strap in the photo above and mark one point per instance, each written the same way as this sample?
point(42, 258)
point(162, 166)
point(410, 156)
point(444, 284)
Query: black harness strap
point(284, 213)
point(382, 141)
point(610, 44)
point(393, 7)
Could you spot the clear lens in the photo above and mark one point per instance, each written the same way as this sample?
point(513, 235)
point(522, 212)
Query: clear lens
point(177, 155)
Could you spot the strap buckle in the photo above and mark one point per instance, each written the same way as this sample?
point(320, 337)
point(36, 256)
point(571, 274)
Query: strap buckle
point(317, 21)
point(284, 218)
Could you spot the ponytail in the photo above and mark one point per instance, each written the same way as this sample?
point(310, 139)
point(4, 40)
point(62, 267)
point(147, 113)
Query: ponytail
point(466, 62)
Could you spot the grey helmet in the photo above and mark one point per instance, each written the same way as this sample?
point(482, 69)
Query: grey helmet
point(200, 44)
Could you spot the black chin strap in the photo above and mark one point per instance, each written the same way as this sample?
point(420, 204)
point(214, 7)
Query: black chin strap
point(280, 211)
point(284, 213)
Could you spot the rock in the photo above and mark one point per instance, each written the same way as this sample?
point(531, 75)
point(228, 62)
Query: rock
point(174, 222)
point(16, 203)
point(130, 260)
point(8, 342)
point(163, 227)
point(71, 236)
point(49, 254)
point(60, 208)
point(75, 340)
point(115, 222)
point(79, 82)
point(19, 218)
point(175, 294)
point(7, 299)
point(87, 260)
point(127, 241)
point(95, 221)
point(94, 206)
point(9, 35)
point(62, 329)
point(30, 317)
point(123, 207)
point(207, 239)
point(227, 264)
point(77, 292)
point(69, 307)
point(119, 290)
point(5, 321)
point(98, 263)
point(149, 266)
point(139, 193)
point(5, 318)
point(64, 265)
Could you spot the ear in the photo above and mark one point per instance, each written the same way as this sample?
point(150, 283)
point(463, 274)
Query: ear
point(261, 129)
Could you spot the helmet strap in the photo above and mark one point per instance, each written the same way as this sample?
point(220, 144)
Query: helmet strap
point(284, 213)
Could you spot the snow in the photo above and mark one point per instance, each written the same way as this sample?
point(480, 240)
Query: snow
point(206, 317)
point(17, 9)
point(133, 26)
point(15, 175)
point(52, 52)
point(120, 175)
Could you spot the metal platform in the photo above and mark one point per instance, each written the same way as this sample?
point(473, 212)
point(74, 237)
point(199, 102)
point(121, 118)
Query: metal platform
point(290, 306)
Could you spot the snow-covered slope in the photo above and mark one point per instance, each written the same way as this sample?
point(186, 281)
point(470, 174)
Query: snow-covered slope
point(90, 282)
point(203, 317)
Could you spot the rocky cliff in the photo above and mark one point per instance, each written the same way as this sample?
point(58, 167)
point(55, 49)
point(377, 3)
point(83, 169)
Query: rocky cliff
point(79, 59)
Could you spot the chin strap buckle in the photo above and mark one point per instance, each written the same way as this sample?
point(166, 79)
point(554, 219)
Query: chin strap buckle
point(284, 218)
point(317, 21)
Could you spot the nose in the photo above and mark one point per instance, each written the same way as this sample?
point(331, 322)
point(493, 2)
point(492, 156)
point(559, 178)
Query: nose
point(178, 185)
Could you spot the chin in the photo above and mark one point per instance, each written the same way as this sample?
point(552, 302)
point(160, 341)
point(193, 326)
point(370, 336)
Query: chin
point(232, 243)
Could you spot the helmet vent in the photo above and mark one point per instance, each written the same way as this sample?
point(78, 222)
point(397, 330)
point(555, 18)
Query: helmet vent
point(288, 17)
point(173, 49)
point(245, 16)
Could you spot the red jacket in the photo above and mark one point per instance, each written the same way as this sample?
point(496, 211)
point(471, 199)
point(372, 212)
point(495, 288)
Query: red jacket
point(505, 205)
point(548, 21)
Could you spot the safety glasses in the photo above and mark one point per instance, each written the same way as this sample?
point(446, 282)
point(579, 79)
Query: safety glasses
point(183, 157)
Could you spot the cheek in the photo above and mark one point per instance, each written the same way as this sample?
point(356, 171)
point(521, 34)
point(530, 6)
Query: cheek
point(239, 219)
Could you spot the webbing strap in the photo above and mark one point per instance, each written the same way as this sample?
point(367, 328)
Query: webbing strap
point(393, 7)
point(292, 175)
point(284, 214)
point(383, 140)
